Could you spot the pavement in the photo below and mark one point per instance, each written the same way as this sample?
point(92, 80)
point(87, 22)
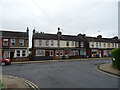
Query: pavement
point(15, 82)
point(108, 69)
point(63, 60)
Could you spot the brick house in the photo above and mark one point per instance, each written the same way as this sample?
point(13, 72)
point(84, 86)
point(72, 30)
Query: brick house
point(101, 47)
point(53, 46)
point(14, 45)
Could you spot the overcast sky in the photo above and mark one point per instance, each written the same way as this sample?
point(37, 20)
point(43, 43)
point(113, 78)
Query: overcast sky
point(91, 17)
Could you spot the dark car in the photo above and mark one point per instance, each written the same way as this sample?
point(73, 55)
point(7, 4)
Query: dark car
point(4, 61)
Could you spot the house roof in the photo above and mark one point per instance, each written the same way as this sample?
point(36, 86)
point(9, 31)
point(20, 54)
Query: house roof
point(97, 39)
point(13, 34)
point(55, 37)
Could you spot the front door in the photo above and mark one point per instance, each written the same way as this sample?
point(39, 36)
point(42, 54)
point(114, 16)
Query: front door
point(11, 55)
point(47, 53)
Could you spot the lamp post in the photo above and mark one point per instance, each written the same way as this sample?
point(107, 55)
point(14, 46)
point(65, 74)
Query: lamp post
point(58, 33)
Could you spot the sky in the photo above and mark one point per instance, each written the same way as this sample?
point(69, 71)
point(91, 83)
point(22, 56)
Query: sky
point(90, 17)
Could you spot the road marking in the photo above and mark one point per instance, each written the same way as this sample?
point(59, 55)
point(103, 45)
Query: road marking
point(32, 84)
point(26, 82)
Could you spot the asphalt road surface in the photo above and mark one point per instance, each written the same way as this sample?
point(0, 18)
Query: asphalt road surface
point(74, 74)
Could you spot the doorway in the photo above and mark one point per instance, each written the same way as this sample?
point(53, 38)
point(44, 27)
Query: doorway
point(47, 53)
point(11, 55)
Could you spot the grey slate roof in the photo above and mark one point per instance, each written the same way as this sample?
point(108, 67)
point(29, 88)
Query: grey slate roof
point(55, 37)
point(95, 39)
point(13, 34)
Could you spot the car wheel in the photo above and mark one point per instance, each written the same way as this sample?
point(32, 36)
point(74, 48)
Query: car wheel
point(3, 63)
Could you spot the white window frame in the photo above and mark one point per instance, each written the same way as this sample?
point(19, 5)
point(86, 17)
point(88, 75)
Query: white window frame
point(39, 52)
point(104, 44)
point(113, 45)
point(99, 44)
point(57, 53)
point(12, 41)
point(21, 41)
point(61, 53)
point(51, 51)
point(47, 42)
point(6, 54)
point(52, 42)
point(81, 44)
point(108, 44)
point(92, 44)
point(40, 42)
point(67, 43)
point(17, 53)
point(73, 43)
point(5, 40)
point(24, 53)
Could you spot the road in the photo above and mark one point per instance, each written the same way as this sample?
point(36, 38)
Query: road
point(74, 74)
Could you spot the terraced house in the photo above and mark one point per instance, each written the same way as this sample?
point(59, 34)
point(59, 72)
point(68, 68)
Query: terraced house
point(14, 45)
point(54, 46)
point(101, 47)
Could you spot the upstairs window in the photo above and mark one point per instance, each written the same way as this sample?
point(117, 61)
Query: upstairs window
point(92, 44)
point(77, 44)
point(72, 43)
point(96, 44)
point(113, 45)
point(12, 42)
point(21, 42)
point(47, 43)
point(40, 42)
point(108, 44)
point(5, 42)
point(99, 44)
point(82, 44)
point(52, 43)
point(104, 44)
point(67, 43)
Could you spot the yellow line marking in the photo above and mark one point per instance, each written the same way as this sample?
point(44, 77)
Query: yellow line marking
point(24, 80)
point(32, 84)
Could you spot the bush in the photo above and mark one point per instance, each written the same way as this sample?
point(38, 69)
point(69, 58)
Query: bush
point(115, 54)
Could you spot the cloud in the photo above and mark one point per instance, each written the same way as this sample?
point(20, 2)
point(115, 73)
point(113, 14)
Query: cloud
point(73, 16)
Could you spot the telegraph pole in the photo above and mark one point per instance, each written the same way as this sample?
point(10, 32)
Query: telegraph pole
point(59, 33)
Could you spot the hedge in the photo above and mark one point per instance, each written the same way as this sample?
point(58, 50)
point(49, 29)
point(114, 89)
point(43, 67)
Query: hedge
point(115, 54)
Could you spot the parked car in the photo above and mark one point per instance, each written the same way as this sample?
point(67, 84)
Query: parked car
point(4, 61)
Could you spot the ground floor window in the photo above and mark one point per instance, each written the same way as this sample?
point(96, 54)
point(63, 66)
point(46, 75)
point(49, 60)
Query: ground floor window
point(82, 52)
point(51, 53)
point(39, 52)
point(57, 52)
point(6, 54)
point(23, 53)
point(18, 53)
point(61, 52)
point(77, 52)
point(105, 52)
